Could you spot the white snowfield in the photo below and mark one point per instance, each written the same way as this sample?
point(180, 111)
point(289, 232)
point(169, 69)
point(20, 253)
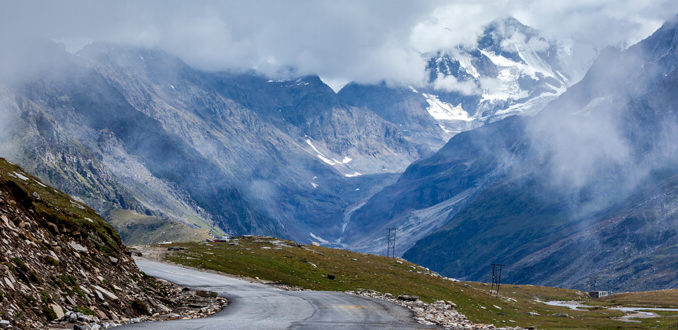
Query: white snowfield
point(440, 110)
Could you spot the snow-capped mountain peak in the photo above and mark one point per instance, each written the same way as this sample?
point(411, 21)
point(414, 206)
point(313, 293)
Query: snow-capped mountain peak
point(513, 69)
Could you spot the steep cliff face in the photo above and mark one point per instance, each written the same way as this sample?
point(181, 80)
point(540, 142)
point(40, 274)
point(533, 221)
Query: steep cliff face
point(58, 255)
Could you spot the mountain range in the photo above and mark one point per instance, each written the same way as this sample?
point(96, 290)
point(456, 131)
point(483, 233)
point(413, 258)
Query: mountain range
point(505, 159)
point(583, 190)
point(137, 134)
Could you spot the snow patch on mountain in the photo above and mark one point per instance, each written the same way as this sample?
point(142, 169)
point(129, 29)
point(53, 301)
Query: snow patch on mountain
point(340, 165)
point(445, 111)
point(512, 70)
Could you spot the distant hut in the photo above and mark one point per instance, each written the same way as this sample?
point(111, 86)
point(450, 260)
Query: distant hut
point(598, 294)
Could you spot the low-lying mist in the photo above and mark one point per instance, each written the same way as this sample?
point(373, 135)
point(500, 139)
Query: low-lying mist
point(607, 135)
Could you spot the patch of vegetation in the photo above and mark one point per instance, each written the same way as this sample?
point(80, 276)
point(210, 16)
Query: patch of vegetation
point(663, 298)
point(69, 280)
point(50, 314)
point(83, 310)
point(25, 273)
point(74, 286)
point(19, 262)
point(45, 297)
point(135, 228)
point(308, 267)
point(57, 282)
point(51, 260)
point(55, 206)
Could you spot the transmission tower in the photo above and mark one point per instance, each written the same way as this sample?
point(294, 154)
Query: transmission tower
point(496, 278)
point(391, 245)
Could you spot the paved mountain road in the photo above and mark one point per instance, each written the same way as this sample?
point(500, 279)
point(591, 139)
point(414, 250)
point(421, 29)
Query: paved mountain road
point(259, 306)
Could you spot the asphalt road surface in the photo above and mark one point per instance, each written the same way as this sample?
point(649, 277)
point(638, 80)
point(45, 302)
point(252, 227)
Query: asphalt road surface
point(259, 306)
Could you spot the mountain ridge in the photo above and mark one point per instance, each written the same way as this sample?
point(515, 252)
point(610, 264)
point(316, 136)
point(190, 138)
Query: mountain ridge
point(569, 204)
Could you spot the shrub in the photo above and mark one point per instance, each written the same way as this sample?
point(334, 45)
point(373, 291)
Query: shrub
point(49, 313)
point(84, 310)
point(45, 297)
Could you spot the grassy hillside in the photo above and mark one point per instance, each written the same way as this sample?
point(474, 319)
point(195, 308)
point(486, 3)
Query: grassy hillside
point(135, 228)
point(308, 266)
point(58, 208)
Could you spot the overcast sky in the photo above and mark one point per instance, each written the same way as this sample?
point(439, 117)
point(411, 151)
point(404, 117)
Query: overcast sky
point(360, 40)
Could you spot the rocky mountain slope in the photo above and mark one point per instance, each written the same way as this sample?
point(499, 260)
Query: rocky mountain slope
point(157, 146)
point(582, 190)
point(140, 131)
point(512, 70)
point(60, 258)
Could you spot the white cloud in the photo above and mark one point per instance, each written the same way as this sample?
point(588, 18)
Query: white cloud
point(367, 41)
point(451, 84)
point(538, 44)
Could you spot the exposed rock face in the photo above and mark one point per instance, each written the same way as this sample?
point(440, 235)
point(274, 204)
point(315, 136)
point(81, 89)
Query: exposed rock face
point(62, 261)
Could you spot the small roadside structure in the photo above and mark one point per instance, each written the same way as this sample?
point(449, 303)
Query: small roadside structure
point(223, 239)
point(598, 294)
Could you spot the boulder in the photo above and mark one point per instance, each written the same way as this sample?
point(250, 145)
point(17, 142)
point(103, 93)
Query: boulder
point(78, 247)
point(57, 310)
point(107, 293)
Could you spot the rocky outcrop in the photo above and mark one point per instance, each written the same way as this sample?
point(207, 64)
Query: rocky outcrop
point(61, 262)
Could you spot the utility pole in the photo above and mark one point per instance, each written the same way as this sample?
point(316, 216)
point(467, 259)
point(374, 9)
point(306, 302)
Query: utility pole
point(391, 239)
point(496, 278)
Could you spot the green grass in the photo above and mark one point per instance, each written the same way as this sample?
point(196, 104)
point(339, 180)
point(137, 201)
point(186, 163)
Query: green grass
point(136, 228)
point(58, 208)
point(662, 298)
point(257, 257)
